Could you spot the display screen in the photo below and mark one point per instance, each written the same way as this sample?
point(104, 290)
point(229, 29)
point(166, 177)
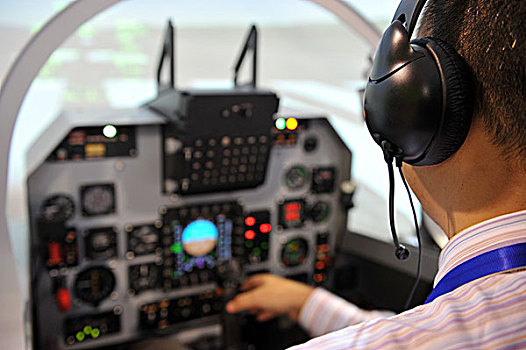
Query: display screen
point(292, 213)
point(199, 237)
point(200, 243)
point(195, 239)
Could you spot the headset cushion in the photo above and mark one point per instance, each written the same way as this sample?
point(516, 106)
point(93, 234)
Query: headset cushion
point(456, 77)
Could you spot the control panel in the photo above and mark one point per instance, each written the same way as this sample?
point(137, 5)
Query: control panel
point(129, 221)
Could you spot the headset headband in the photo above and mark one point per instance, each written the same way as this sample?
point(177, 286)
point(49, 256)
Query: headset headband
point(408, 13)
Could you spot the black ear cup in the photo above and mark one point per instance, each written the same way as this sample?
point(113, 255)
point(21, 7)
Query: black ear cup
point(458, 104)
point(419, 98)
point(403, 97)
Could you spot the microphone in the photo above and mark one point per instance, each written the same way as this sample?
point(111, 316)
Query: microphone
point(401, 252)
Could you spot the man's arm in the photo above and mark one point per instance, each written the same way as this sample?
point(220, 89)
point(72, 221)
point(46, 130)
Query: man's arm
point(324, 312)
point(317, 310)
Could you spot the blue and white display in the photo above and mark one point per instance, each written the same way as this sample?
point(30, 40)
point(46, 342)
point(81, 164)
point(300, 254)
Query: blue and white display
point(199, 237)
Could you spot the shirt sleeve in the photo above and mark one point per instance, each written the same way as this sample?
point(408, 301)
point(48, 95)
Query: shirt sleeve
point(325, 312)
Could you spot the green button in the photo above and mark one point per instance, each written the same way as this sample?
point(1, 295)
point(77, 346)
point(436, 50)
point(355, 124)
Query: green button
point(87, 330)
point(80, 336)
point(264, 245)
point(249, 244)
point(95, 332)
point(177, 248)
point(280, 123)
point(256, 251)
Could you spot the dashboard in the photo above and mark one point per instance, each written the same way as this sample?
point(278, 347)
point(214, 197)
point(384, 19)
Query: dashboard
point(132, 215)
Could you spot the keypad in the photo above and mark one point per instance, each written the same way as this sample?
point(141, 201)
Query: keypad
point(225, 162)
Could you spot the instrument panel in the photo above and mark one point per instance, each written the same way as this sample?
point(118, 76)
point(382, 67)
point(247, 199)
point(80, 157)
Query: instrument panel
point(119, 252)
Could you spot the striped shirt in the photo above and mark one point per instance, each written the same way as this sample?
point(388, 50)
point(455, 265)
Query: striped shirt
point(488, 313)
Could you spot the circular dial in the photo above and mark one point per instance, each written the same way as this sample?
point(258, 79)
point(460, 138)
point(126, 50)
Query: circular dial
point(199, 237)
point(101, 243)
point(143, 277)
point(97, 200)
point(143, 240)
point(57, 208)
point(94, 284)
point(320, 211)
point(295, 177)
point(294, 252)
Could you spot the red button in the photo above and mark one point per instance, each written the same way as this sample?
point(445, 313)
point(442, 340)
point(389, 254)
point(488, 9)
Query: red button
point(55, 255)
point(265, 228)
point(250, 221)
point(250, 234)
point(318, 278)
point(63, 299)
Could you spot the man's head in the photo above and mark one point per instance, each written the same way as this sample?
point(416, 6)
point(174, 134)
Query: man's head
point(486, 176)
point(490, 36)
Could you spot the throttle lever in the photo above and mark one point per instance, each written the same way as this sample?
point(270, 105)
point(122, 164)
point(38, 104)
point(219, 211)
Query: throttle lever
point(230, 276)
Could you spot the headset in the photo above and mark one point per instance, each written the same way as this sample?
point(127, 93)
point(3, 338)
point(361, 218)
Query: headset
point(418, 100)
point(418, 104)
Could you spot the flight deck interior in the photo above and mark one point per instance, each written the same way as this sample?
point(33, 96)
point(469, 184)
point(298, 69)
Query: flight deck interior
point(164, 151)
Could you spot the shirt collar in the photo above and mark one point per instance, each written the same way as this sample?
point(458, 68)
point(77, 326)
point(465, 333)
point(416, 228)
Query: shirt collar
point(481, 238)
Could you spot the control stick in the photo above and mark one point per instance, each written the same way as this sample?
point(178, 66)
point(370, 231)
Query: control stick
point(230, 276)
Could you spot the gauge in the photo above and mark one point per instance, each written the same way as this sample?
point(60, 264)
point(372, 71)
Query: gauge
point(101, 243)
point(143, 240)
point(94, 284)
point(143, 277)
point(320, 211)
point(295, 177)
point(98, 199)
point(294, 252)
point(57, 208)
point(292, 213)
point(323, 180)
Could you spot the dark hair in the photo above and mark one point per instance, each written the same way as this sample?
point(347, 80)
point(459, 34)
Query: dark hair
point(490, 36)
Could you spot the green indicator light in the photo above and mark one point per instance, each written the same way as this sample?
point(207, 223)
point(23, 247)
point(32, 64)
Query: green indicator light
point(249, 244)
point(95, 333)
point(281, 123)
point(177, 248)
point(264, 245)
point(175, 275)
point(80, 336)
point(87, 330)
point(256, 251)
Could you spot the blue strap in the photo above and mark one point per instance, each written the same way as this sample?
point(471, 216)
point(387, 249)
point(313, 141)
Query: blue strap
point(498, 260)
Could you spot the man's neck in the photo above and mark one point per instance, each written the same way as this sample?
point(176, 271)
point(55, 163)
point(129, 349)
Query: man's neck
point(486, 186)
point(476, 184)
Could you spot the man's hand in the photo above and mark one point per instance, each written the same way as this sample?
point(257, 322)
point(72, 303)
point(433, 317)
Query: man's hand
point(268, 296)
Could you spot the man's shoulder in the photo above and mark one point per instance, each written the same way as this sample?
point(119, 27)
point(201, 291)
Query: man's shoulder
point(484, 313)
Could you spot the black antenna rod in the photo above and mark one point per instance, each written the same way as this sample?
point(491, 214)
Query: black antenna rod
point(168, 51)
point(251, 44)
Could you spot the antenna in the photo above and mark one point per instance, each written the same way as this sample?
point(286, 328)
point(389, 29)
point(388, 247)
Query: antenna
point(167, 53)
point(251, 44)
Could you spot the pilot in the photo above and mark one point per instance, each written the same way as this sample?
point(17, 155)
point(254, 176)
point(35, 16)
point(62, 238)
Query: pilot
point(477, 196)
